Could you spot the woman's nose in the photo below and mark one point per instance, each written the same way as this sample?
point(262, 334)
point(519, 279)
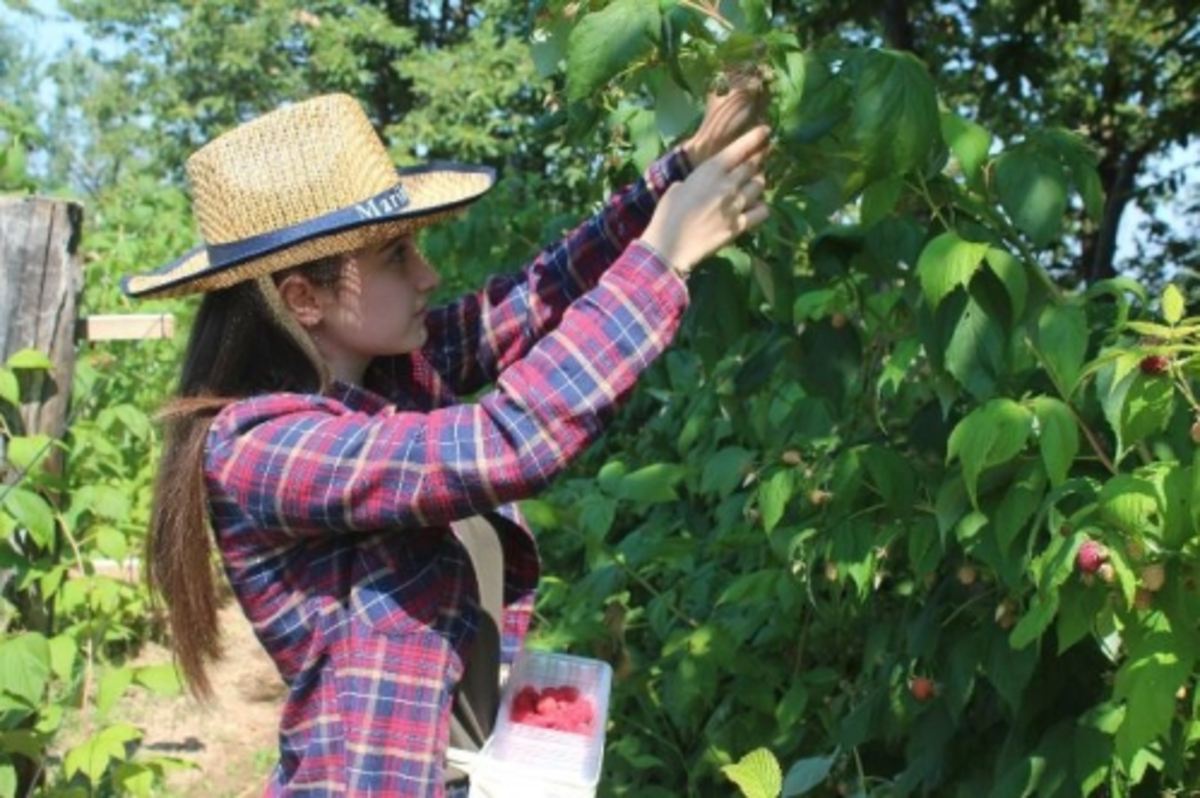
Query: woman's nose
point(427, 277)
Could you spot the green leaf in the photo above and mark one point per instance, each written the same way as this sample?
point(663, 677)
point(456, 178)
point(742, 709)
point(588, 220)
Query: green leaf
point(112, 687)
point(975, 354)
point(675, 112)
point(111, 542)
point(808, 774)
point(1036, 620)
point(160, 679)
point(652, 484)
point(946, 263)
point(1173, 304)
point(10, 389)
point(1018, 504)
point(988, 436)
point(29, 359)
point(1078, 606)
point(1145, 408)
point(98, 753)
point(26, 451)
point(33, 513)
point(1058, 437)
point(895, 113)
point(1129, 503)
point(548, 47)
point(969, 142)
point(25, 668)
point(774, 495)
point(1033, 191)
point(725, 470)
point(757, 774)
point(1147, 682)
point(63, 652)
point(8, 778)
point(1061, 342)
point(879, 200)
point(1011, 272)
point(608, 41)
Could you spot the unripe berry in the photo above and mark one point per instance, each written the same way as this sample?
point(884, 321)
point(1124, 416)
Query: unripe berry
point(1153, 577)
point(1006, 614)
point(1196, 432)
point(1091, 556)
point(819, 498)
point(1143, 599)
point(831, 572)
point(1107, 573)
point(1154, 365)
point(791, 457)
point(967, 574)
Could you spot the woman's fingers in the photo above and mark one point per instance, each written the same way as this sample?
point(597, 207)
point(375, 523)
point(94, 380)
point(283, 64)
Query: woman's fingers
point(745, 147)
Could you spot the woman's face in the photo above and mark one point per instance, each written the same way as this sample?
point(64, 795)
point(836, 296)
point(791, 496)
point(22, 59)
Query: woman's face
point(377, 307)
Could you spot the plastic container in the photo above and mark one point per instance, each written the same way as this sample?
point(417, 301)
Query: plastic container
point(531, 762)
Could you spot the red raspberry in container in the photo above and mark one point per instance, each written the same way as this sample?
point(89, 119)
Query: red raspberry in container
point(559, 708)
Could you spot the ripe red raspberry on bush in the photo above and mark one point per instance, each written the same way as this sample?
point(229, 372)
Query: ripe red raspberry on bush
point(559, 708)
point(1153, 365)
point(1092, 554)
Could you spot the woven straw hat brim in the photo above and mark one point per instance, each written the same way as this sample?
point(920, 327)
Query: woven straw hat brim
point(432, 193)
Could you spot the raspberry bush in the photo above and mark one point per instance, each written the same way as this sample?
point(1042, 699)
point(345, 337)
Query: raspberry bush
point(898, 512)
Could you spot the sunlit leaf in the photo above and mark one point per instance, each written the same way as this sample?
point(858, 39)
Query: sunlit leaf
point(946, 263)
point(29, 359)
point(1062, 341)
point(774, 495)
point(895, 113)
point(1058, 437)
point(969, 142)
point(990, 435)
point(608, 41)
point(1173, 304)
point(25, 667)
point(1033, 190)
point(757, 774)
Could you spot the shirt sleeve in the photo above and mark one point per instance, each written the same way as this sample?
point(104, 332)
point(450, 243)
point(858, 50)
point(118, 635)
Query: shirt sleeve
point(308, 464)
point(473, 339)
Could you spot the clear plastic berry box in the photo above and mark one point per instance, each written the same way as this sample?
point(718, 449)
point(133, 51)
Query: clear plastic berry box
point(521, 759)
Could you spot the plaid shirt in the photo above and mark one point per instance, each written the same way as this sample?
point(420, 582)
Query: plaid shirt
point(332, 511)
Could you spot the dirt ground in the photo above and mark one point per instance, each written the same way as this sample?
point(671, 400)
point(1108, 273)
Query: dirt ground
point(232, 741)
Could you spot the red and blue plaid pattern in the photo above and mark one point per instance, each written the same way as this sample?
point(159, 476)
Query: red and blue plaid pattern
point(332, 511)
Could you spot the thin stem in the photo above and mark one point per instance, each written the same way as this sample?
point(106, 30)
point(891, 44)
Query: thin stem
point(641, 580)
point(711, 13)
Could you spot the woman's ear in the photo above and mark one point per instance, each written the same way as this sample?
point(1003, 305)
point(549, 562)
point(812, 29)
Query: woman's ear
point(301, 298)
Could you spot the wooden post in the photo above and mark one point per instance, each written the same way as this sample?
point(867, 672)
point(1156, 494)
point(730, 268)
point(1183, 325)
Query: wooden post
point(40, 281)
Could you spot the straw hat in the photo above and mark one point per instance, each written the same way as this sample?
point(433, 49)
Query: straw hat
point(301, 183)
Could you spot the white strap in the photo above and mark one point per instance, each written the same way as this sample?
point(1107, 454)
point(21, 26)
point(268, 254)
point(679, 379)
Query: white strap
point(463, 760)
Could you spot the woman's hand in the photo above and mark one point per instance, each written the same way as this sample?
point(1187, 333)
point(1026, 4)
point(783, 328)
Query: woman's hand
point(719, 201)
point(728, 114)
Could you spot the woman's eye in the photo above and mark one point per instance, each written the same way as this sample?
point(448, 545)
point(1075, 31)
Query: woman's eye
point(399, 255)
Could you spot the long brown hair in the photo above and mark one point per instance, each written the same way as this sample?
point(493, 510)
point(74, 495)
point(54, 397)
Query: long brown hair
point(243, 343)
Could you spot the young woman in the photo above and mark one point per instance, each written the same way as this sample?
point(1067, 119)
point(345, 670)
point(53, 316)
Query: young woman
point(318, 438)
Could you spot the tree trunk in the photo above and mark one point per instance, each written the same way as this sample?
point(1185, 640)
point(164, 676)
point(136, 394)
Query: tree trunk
point(1118, 171)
